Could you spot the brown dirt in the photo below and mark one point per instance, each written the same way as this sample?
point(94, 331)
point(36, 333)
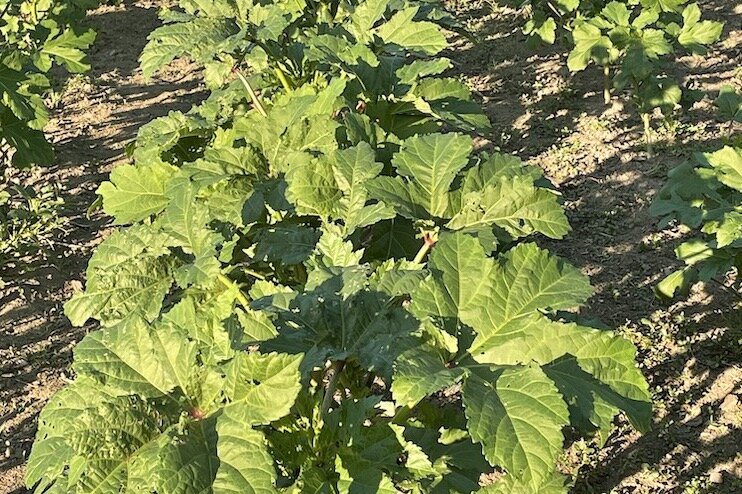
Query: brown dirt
point(98, 114)
point(690, 351)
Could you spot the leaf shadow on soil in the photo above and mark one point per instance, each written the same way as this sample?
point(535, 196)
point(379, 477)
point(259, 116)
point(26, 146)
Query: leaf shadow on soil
point(100, 113)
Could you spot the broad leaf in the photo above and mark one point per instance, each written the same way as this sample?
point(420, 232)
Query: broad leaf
point(517, 415)
point(135, 193)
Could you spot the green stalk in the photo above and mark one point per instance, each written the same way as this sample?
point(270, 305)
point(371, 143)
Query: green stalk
point(648, 133)
point(421, 253)
point(254, 274)
point(284, 81)
point(337, 366)
point(607, 85)
point(427, 245)
point(241, 298)
point(34, 13)
point(251, 92)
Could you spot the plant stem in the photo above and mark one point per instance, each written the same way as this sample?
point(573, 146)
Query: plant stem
point(282, 77)
point(648, 133)
point(7, 7)
point(251, 92)
point(401, 415)
point(607, 85)
point(337, 367)
point(254, 274)
point(241, 298)
point(427, 245)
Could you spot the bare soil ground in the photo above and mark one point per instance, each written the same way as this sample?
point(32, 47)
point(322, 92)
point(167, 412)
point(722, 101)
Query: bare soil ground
point(690, 351)
point(98, 114)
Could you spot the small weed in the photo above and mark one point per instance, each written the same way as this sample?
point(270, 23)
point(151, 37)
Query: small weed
point(28, 218)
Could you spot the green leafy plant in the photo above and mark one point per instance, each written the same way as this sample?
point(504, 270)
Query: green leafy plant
point(547, 20)
point(28, 217)
point(36, 35)
point(378, 62)
point(634, 42)
point(729, 103)
point(311, 299)
point(705, 195)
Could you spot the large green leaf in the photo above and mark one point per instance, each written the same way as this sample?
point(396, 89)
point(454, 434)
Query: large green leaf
point(697, 34)
point(429, 165)
point(557, 484)
point(261, 388)
point(728, 165)
point(67, 48)
point(590, 44)
point(460, 271)
point(523, 281)
point(502, 300)
point(517, 415)
point(135, 192)
point(403, 30)
point(336, 321)
point(516, 205)
point(245, 465)
point(491, 296)
point(418, 373)
point(598, 377)
point(353, 168)
point(131, 357)
point(135, 286)
point(196, 38)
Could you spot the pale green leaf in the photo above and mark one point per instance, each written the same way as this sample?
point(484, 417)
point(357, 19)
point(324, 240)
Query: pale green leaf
point(517, 414)
point(516, 205)
point(601, 375)
point(728, 165)
point(404, 31)
point(134, 286)
point(590, 44)
point(431, 163)
point(134, 358)
point(261, 388)
point(245, 465)
point(193, 38)
point(134, 193)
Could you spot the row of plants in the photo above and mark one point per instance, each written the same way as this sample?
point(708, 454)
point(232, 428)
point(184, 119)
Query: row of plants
point(37, 38)
point(37, 35)
point(636, 42)
point(704, 195)
point(29, 217)
point(319, 286)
